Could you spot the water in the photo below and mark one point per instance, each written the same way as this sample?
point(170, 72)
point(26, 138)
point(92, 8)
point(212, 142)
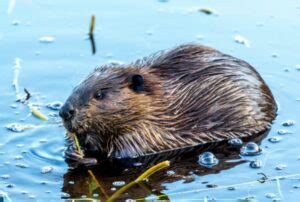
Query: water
point(125, 31)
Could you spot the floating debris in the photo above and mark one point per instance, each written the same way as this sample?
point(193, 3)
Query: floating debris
point(250, 149)
point(118, 183)
point(37, 113)
point(16, 127)
point(235, 141)
point(284, 132)
point(280, 166)
point(207, 11)
point(47, 169)
point(208, 160)
point(256, 164)
point(55, 105)
point(288, 123)
point(46, 39)
point(275, 139)
point(242, 40)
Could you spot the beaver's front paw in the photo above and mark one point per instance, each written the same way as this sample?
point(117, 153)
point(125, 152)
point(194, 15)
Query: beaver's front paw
point(72, 154)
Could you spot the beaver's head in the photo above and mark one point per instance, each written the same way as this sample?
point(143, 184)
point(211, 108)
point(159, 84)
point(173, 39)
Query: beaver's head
point(108, 104)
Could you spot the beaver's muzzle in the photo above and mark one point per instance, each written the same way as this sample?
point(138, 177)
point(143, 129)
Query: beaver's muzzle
point(67, 112)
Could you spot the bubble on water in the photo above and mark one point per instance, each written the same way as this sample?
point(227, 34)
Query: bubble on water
point(32, 196)
point(95, 195)
point(47, 169)
point(280, 166)
point(118, 183)
point(270, 195)
point(211, 185)
point(171, 172)
point(16, 127)
point(288, 123)
point(21, 165)
point(14, 106)
point(83, 196)
point(235, 141)
point(256, 164)
point(200, 37)
point(275, 139)
point(242, 40)
point(250, 149)
point(43, 140)
point(284, 132)
point(55, 105)
point(65, 195)
point(5, 176)
point(208, 160)
point(46, 39)
point(231, 188)
point(24, 192)
point(20, 145)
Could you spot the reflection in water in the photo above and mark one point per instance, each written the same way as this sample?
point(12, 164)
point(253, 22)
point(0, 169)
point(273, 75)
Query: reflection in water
point(102, 181)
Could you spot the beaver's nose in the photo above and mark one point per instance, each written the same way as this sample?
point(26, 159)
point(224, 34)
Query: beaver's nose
point(67, 112)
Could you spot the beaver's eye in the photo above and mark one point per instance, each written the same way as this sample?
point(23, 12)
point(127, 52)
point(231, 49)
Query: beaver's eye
point(99, 95)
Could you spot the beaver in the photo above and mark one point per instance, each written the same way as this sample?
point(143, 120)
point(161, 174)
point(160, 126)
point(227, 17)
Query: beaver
point(186, 96)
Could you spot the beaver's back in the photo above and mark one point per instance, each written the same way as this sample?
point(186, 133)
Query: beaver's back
point(211, 95)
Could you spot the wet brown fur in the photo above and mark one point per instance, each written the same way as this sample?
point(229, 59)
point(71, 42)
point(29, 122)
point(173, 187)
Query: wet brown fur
point(193, 94)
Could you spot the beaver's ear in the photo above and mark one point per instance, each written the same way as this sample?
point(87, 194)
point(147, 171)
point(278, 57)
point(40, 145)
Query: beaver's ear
point(136, 82)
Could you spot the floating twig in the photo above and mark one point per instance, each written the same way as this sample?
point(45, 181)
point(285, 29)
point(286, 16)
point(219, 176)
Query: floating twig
point(92, 25)
point(37, 113)
point(91, 34)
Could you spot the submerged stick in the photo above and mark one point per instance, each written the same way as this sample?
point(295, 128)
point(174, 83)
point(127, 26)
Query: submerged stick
point(92, 25)
point(143, 176)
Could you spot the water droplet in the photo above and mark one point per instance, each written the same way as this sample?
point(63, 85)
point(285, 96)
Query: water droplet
point(118, 183)
point(288, 123)
point(137, 164)
point(235, 141)
point(284, 132)
point(256, 164)
point(170, 172)
point(250, 149)
point(71, 182)
point(113, 189)
point(55, 105)
point(275, 139)
point(46, 39)
point(46, 169)
point(280, 166)
point(208, 160)
point(21, 165)
point(65, 195)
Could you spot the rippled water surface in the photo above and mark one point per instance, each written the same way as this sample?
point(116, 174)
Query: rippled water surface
point(45, 49)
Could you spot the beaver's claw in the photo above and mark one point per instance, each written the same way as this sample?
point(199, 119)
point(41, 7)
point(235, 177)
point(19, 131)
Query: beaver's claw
point(72, 154)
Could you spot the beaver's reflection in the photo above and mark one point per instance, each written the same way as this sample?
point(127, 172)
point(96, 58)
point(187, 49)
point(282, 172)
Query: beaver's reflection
point(97, 182)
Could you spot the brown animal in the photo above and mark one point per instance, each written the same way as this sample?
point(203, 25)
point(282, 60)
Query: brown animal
point(183, 97)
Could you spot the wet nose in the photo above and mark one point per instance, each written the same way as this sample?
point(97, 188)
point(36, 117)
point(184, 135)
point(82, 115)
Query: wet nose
point(67, 112)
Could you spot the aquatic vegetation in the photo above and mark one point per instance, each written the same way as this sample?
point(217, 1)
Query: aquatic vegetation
point(37, 113)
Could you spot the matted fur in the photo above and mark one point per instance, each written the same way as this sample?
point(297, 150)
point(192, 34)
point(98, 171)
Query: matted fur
point(193, 94)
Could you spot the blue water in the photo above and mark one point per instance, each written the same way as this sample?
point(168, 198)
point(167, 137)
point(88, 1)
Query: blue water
point(125, 31)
